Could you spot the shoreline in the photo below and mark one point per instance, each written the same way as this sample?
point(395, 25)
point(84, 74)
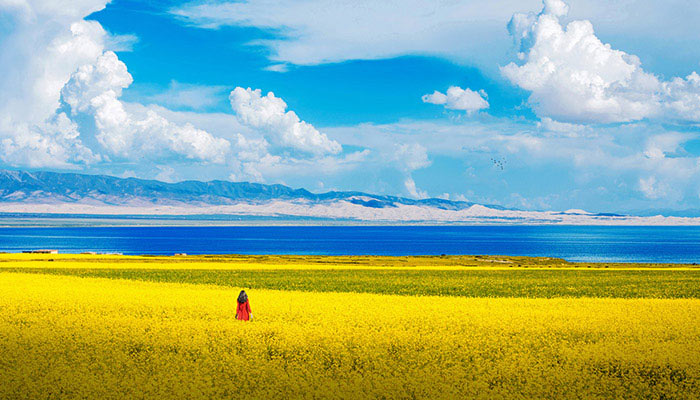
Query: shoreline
point(342, 212)
point(111, 221)
point(336, 262)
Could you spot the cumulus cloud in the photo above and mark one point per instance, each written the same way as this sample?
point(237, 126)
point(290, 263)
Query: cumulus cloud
point(90, 83)
point(43, 44)
point(572, 76)
point(255, 158)
point(268, 113)
point(61, 74)
point(53, 143)
point(95, 89)
point(459, 99)
point(251, 154)
point(38, 60)
point(555, 7)
point(683, 97)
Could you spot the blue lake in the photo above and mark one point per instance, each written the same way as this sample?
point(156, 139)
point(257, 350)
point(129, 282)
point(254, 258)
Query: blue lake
point(574, 243)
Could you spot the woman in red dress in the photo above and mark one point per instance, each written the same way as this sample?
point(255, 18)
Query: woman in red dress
point(243, 311)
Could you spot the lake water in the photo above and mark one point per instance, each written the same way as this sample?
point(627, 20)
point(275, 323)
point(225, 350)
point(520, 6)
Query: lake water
point(573, 243)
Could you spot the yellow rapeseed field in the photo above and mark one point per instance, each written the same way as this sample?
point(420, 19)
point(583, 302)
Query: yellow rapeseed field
point(70, 337)
point(287, 262)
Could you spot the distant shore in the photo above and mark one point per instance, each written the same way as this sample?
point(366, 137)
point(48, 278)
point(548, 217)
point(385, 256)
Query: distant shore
point(65, 220)
point(335, 213)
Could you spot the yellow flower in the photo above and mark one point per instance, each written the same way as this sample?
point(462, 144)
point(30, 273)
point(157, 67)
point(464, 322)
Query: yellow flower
point(69, 337)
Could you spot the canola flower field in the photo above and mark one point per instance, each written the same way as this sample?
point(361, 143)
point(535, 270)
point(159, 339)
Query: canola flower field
point(145, 327)
point(476, 283)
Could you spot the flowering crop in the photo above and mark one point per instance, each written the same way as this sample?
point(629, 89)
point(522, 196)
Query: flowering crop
point(306, 262)
point(468, 276)
point(72, 337)
point(516, 282)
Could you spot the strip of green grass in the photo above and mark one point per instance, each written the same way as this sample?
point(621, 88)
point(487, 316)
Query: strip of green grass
point(466, 283)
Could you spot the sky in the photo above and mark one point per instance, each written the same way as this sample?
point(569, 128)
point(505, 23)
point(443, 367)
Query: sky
point(585, 104)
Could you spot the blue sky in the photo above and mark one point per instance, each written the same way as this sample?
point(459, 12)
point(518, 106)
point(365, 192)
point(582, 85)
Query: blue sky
point(584, 104)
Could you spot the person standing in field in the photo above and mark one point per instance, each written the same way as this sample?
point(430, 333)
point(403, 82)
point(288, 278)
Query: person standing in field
point(243, 312)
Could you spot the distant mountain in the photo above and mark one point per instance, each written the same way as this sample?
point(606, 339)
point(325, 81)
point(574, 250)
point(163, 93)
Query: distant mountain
point(59, 194)
point(53, 187)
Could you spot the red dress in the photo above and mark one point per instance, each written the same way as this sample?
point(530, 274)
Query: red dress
point(243, 311)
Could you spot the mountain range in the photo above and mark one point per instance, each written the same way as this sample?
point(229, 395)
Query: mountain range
point(53, 187)
point(43, 192)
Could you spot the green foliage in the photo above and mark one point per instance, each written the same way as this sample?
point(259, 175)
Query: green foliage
point(516, 282)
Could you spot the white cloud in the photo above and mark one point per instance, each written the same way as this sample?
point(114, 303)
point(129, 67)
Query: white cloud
point(183, 95)
point(574, 77)
point(40, 66)
point(42, 44)
point(315, 32)
point(410, 185)
point(270, 166)
point(600, 166)
point(683, 97)
point(459, 99)
point(66, 109)
point(60, 73)
point(106, 77)
point(121, 42)
point(53, 42)
point(250, 154)
point(94, 89)
point(254, 158)
point(268, 113)
point(281, 67)
point(411, 156)
point(35, 10)
point(311, 32)
point(155, 134)
point(550, 125)
point(53, 143)
point(658, 146)
point(166, 174)
point(651, 188)
point(555, 7)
